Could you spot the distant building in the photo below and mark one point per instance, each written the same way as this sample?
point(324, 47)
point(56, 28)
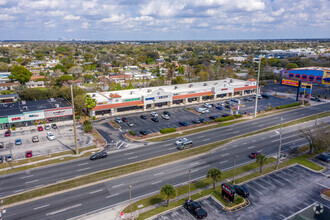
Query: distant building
point(4, 77)
point(9, 98)
point(319, 75)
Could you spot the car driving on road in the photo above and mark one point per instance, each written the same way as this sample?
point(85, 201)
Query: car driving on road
point(99, 155)
point(185, 145)
point(253, 155)
point(195, 209)
point(180, 141)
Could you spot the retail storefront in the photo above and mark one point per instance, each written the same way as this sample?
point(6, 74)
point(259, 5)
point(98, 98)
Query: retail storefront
point(60, 114)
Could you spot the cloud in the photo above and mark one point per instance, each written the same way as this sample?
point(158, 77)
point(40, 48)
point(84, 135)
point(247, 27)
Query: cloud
point(113, 19)
point(6, 17)
point(71, 18)
point(85, 25)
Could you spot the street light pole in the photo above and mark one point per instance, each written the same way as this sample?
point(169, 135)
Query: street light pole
point(279, 146)
point(256, 103)
point(235, 157)
point(74, 123)
point(130, 200)
point(189, 185)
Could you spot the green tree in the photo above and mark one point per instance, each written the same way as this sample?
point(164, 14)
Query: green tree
point(90, 103)
point(203, 76)
point(64, 79)
point(261, 159)
point(20, 74)
point(177, 80)
point(291, 66)
point(118, 86)
point(215, 174)
point(168, 192)
point(181, 70)
point(130, 86)
point(4, 67)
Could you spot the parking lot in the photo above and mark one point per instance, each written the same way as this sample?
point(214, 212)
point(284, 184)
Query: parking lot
point(277, 195)
point(64, 140)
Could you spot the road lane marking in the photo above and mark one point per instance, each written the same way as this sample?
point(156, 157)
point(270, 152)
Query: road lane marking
point(39, 186)
point(235, 132)
point(131, 158)
point(201, 136)
point(235, 146)
point(96, 191)
point(157, 174)
point(32, 181)
point(254, 140)
point(63, 210)
point(224, 155)
point(87, 168)
point(40, 207)
point(223, 161)
point(260, 125)
point(19, 191)
point(194, 163)
point(82, 164)
point(156, 182)
point(23, 177)
point(251, 147)
point(171, 148)
point(254, 123)
point(244, 143)
point(167, 145)
point(275, 140)
point(112, 195)
point(118, 185)
point(206, 139)
point(129, 153)
point(192, 171)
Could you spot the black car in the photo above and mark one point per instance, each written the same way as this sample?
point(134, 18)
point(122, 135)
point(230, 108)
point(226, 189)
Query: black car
point(183, 123)
point(143, 116)
point(155, 119)
point(143, 132)
point(99, 155)
point(54, 126)
point(241, 191)
point(225, 115)
point(167, 113)
point(201, 120)
point(324, 157)
point(214, 117)
point(227, 106)
point(1, 159)
point(124, 119)
point(2, 145)
point(195, 209)
point(196, 121)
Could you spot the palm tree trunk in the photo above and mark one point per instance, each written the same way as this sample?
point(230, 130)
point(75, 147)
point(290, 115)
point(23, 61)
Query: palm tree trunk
point(213, 183)
point(260, 168)
point(168, 202)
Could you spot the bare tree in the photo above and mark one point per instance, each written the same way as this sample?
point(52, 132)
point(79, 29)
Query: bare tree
point(317, 137)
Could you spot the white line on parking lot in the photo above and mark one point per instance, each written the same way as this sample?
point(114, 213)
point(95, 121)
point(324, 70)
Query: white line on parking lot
point(82, 164)
point(223, 155)
point(260, 185)
point(23, 177)
point(251, 147)
point(157, 174)
point(118, 185)
point(87, 168)
point(129, 153)
point(40, 207)
point(156, 182)
point(100, 190)
point(254, 189)
point(65, 209)
point(32, 181)
point(112, 195)
point(223, 161)
point(131, 158)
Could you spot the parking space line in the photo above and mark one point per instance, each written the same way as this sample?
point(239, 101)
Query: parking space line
point(249, 186)
point(262, 179)
point(260, 185)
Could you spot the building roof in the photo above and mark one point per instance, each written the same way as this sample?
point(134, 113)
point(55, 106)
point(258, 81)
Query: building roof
point(251, 80)
point(37, 77)
point(118, 105)
point(9, 84)
point(13, 95)
point(120, 76)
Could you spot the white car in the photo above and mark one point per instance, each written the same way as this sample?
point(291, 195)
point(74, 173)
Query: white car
point(166, 117)
point(201, 110)
point(259, 96)
point(206, 110)
point(206, 105)
point(221, 104)
point(47, 127)
point(154, 114)
point(180, 141)
point(50, 136)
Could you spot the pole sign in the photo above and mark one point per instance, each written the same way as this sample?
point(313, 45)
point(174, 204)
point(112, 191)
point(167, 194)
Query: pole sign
point(290, 82)
point(228, 192)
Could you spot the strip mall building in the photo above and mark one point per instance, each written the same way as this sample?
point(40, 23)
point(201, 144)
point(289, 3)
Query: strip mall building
point(152, 98)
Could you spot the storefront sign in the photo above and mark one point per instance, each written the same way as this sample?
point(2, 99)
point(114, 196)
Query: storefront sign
point(151, 98)
point(16, 118)
point(3, 120)
point(29, 116)
point(131, 100)
point(60, 112)
point(290, 82)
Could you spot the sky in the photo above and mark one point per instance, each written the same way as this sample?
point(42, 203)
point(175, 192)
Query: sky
point(164, 19)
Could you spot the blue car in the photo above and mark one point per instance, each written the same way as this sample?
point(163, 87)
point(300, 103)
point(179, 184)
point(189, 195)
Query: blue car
point(183, 123)
point(219, 107)
point(18, 141)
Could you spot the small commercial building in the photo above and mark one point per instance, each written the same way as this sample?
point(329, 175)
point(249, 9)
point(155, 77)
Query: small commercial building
point(26, 113)
point(151, 98)
point(320, 75)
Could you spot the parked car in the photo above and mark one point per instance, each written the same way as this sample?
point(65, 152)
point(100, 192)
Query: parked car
point(54, 126)
point(195, 209)
point(219, 107)
point(221, 104)
point(143, 116)
point(185, 145)
point(227, 106)
point(180, 141)
point(196, 121)
point(166, 117)
point(118, 120)
point(167, 113)
point(130, 124)
point(99, 155)
point(8, 157)
point(35, 139)
point(155, 119)
point(143, 132)
point(324, 157)
point(213, 117)
point(47, 127)
point(18, 142)
point(241, 191)
point(225, 115)
point(40, 128)
point(2, 145)
point(124, 119)
point(248, 99)
point(259, 96)
point(200, 110)
point(154, 114)
point(50, 136)
point(253, 155)
point(206, 105)
point(7, 133)
point(183, 123)
point(1, 159)
point(266, 96)
point(28, 154)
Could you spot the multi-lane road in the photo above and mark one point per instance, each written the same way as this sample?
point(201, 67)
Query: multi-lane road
point(98, 196)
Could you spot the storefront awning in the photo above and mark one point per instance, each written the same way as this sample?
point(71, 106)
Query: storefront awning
point(118, 105)
point(192, 95)
point(244, 88)
point(326, 79)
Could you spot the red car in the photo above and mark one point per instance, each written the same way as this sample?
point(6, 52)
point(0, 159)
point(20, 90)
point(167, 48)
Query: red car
point(40, 128)
point(28, 154)
point(253, 155)
point(7, 133)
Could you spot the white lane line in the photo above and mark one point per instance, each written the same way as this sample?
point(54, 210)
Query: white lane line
point(260, 125)
point(171, 148)
point(129, 153)
point(32, 181)
point(157, 174)
point(156, 182)
point(251, 147)
point(194, 163)
point(235, 132)
point(40, 207)
point(201, 136)
point(82, 164)
point(235, 146)
point(167, 145)
point(118, 185)
point(192, 171)
point(223, 155)
point(39, 186)
point(206, 139)
point(323, 185)
point(131, 158)
point(244, 143)
point(275, 140)
point(23, 177)
point(19, 191)
point(120, 145)
point(63, 210)
point(254, 140)
point(112, 195)
point(96, 191)
point(253, 123)
point(223, 161)
point(87, 168)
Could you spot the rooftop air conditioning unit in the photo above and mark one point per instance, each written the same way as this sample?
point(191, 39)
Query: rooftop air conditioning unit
point(175, 87)
point(205, 84)
point(57, 105)
point(191, 85)
point(131, 92)
point(231, 80)
point(52, 99)
point(23, 102)
point(25, 108)
point(93, 95)
point(149, 90)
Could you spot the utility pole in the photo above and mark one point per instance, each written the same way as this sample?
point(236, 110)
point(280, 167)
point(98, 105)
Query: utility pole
point(74, 122)
point(189, 185)
point(256, 103)
point(130, 200)
point(304, 97)
point(279, 146)
point(235, 157)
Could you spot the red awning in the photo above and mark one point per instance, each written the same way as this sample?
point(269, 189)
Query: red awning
point(118, 105)
point(244, 88)
point(192, 95)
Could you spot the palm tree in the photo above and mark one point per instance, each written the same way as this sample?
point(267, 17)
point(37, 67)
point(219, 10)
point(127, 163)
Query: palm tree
point(261, 159)
point(215, 174)
point(168, 192)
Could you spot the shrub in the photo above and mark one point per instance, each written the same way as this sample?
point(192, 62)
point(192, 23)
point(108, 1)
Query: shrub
point(94, 117)
point(288, 106)
point(88, 128)
point(167, 130)
point(87, 123)
point(205, 122)
point(78, 117)
point(189, 109)
point(224, 119)
point(132, 133)
point(13, 128)
point(238, 115)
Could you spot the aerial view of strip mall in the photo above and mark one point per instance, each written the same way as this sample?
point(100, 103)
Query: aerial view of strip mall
point(164, 110)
